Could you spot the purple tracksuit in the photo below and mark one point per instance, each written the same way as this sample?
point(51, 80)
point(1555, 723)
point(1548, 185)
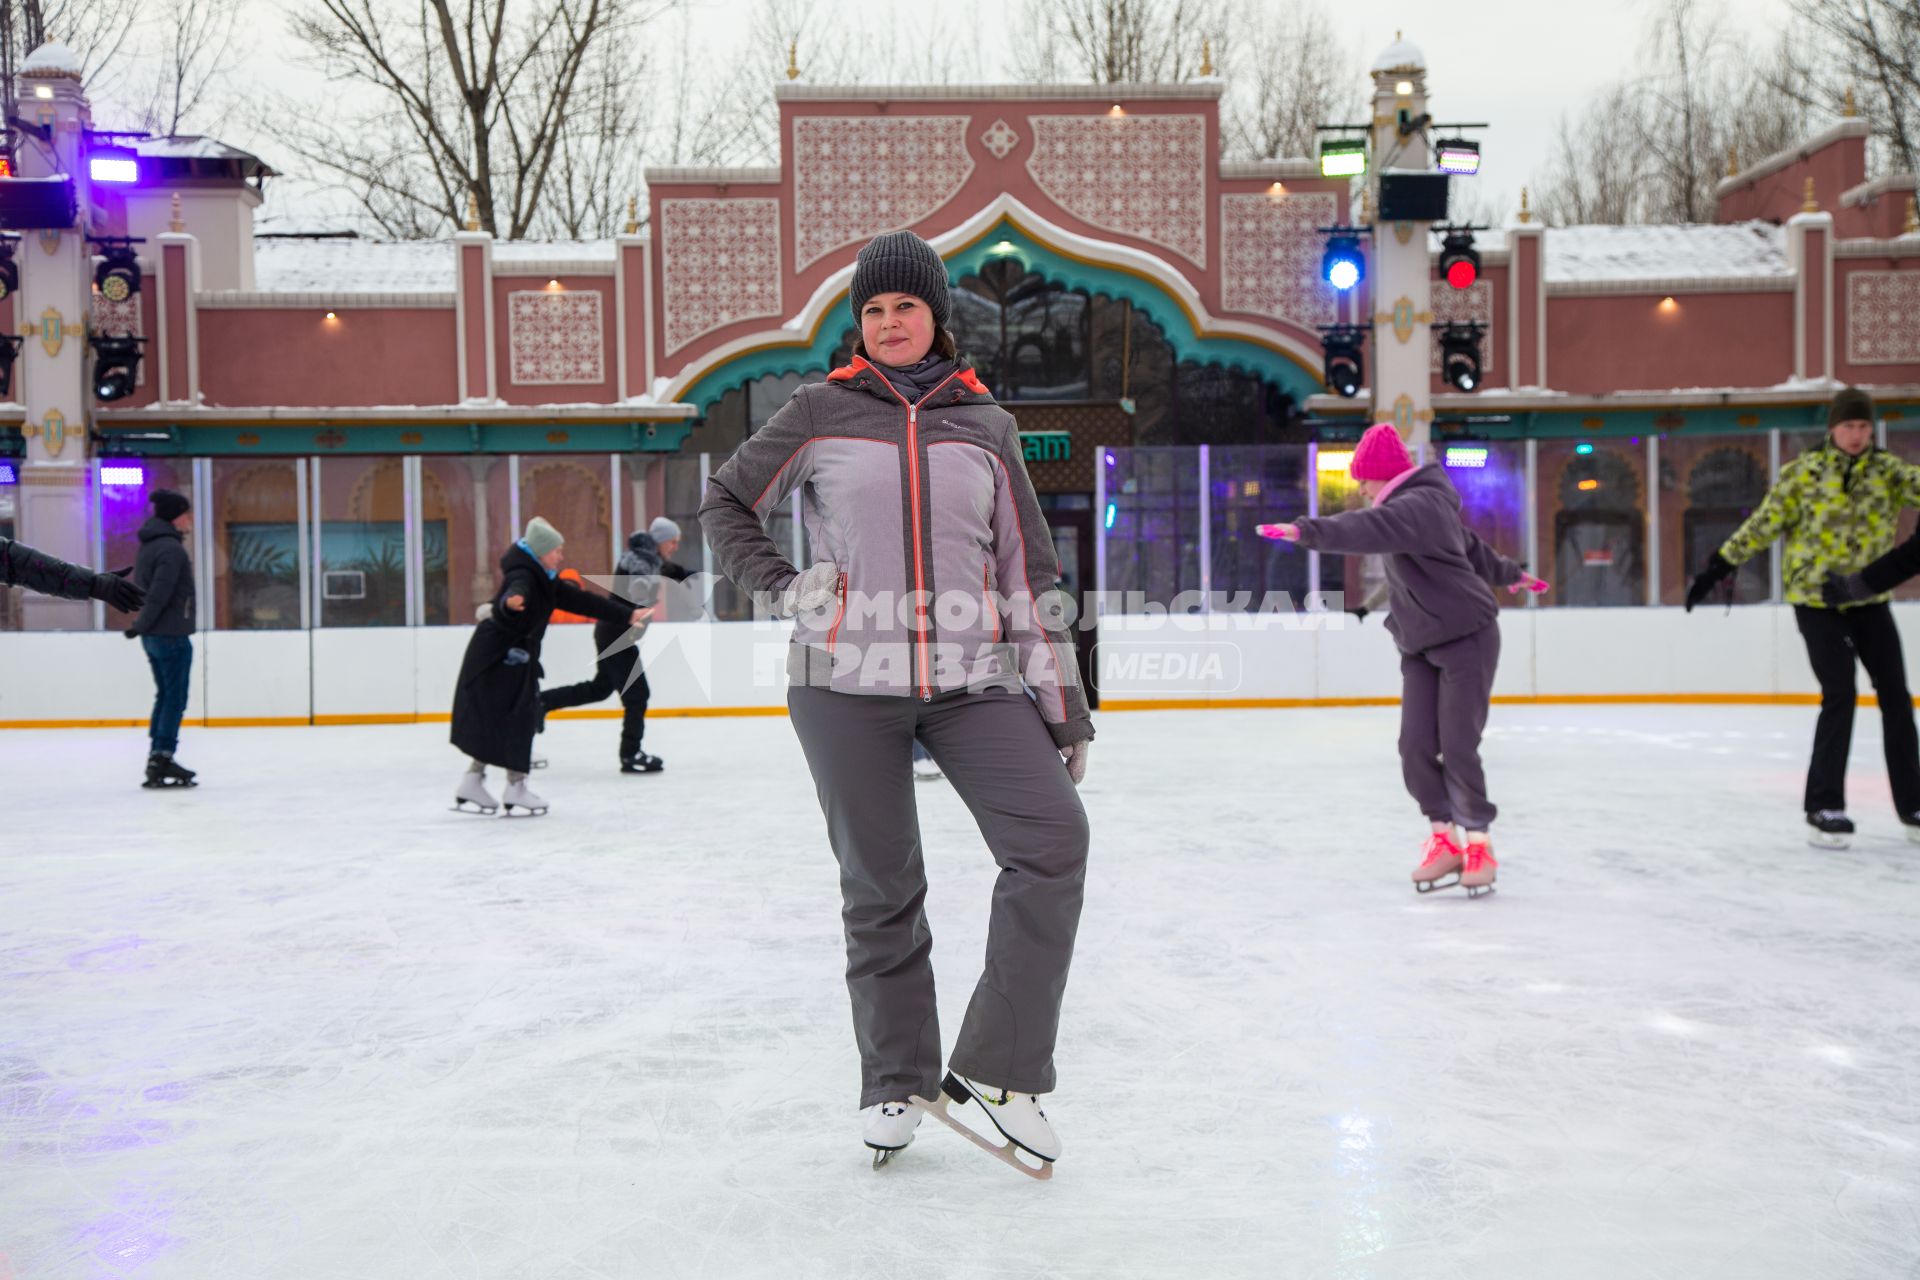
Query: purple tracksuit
point(1442, 614)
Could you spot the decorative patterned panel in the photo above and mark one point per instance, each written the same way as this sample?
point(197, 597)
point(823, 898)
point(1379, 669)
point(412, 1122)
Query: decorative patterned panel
point(1270, 252)
point(721, 263)
point(1142, 175)
point(1462, 306)
point(855, 178)
point(1000, 138)
point(1883, 317)
point(115, 319)
point(555, 338)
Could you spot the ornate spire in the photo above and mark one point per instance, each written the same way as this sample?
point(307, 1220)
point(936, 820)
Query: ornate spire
point(793, 60)
point(177, 222)
point(633, 215)
point(1809, 203)
point(1526, 212)
point(1206, 57)
point(1851, 108)
point(473, 211)
point(1733, 160)
point(1912, 226)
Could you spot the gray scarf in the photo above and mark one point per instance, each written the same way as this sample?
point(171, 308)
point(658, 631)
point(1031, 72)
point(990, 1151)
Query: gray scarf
point(915, 380)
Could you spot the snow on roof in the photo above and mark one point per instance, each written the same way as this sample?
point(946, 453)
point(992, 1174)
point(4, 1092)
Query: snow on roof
point(1582, 255)
point(353, 266)
point(553, 251)
point(189, 146)
point(52, 59)
point(1401, 55)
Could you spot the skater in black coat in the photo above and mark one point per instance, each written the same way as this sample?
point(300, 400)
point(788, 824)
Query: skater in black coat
point(496, 704)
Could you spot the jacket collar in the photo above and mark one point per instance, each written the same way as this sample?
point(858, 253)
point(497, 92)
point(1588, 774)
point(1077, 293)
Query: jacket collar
point(964, 387)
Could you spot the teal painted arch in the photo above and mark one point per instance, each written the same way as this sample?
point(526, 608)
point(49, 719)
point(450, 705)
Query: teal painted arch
point(1007, 241)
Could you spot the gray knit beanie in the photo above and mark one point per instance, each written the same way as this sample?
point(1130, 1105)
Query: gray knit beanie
point(541, 537)
point(901, 262)
point(663, 529)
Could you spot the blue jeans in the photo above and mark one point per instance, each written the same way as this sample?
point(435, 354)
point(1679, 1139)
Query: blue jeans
point(171, 658)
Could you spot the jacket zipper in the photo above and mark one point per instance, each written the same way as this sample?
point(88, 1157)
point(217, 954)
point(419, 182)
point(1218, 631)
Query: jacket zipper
point(913, 502)
point(839, 614)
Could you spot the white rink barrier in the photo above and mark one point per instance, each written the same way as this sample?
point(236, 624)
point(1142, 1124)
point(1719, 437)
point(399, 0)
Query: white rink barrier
point(404, 674)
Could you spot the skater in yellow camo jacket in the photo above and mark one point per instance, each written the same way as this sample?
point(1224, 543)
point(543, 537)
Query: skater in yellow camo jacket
point(1838, 507)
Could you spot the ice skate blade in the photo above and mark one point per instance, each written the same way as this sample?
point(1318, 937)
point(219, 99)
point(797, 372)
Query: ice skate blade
point(1005, 1153)
point(525, 812)
point(883, 1154)
point(166, 786)
point(1823, 840)
point(1434, 886)
point(468, 806)
point(1479, 890)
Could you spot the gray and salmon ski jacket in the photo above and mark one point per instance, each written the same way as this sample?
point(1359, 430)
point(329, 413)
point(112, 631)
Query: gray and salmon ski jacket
point(947, 566)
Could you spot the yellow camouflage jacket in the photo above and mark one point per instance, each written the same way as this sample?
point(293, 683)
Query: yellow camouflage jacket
point(1837, 513)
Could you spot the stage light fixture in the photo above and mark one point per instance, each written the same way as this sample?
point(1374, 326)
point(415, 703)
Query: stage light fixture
point(1460, 356)
point(113, 165)
point(1459, 260)
point(1459, 157)
point(1343, 265)
point(116, 366)
point(118, 275)
point(121, 473)
point(1343, 158)
point(9, 352)
point(1345, 369)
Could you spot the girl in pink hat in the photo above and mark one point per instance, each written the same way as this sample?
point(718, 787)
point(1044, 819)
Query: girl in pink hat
point(1443, 616)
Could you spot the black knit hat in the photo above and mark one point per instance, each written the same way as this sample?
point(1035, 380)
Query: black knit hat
point(901, 262)
point(169, 505)
point(1851, 405)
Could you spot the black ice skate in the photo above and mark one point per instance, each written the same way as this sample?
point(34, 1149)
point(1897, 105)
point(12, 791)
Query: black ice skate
point(1831, 829)
point(642, 763)
point(163, 772)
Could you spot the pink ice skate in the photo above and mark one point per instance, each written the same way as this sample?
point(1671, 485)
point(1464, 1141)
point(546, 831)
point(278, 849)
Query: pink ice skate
point(1440, 857)
point(1477, 875)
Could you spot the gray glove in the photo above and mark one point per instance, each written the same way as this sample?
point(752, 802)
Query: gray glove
point(484, 611)
point(1076, 758)
point(815, 589)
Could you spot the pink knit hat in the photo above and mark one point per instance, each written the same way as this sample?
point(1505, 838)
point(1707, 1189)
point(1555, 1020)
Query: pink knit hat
point(1380, 455)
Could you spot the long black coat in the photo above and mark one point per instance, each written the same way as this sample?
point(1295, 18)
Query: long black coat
point(496, 702)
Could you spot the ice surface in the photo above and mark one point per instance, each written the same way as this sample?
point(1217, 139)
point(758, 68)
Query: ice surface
point(304, 1023)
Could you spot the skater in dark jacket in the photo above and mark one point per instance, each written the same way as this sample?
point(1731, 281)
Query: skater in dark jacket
point(164, 628)
point(496, 704)
point(22, 566)
point(1443, 616)
point(931, 613)
point(636, 584)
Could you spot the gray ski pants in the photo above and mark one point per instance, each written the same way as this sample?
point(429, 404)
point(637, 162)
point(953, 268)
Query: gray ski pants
point(996, 751)
point(1445, 694)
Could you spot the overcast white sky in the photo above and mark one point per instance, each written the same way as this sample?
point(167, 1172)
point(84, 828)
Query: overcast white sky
point(1517, 64)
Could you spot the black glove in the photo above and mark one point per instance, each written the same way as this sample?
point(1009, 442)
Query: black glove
point(1718, 570)
point(131, 634)
point(118, 592)
point(1845, 588)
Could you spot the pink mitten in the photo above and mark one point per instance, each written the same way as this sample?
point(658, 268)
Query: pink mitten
point(1279, 532)
point(1531, 583)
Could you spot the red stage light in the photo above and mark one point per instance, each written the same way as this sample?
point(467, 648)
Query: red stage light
point(1462, 274)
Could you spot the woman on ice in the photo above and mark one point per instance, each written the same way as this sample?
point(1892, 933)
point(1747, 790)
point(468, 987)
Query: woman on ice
point(496, 704)
point(1443, 616)
point(929, 616)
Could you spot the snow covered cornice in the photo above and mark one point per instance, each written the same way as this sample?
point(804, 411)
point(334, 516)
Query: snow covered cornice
point(262, 300)
point(1676, 284)
point(1268, 170)
point(1198, 89)
point(251, 415)
point(710, 175)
